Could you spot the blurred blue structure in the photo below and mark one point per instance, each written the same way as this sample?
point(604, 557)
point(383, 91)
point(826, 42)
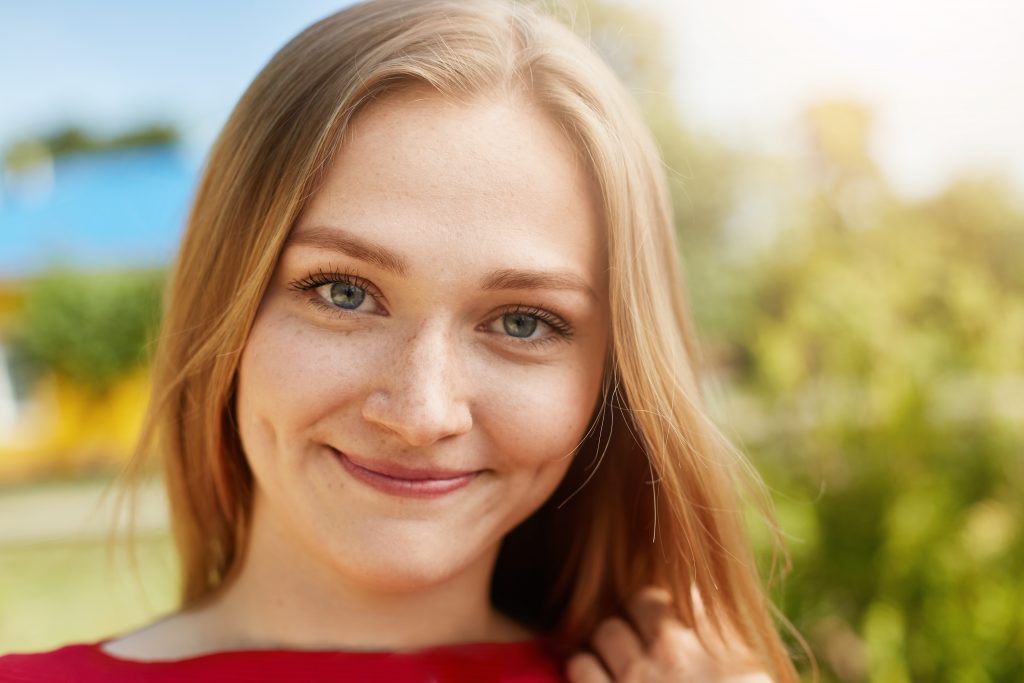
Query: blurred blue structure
point(94, 211)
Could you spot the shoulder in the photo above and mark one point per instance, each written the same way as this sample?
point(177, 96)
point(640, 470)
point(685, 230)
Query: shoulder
point(84, 660)
point(109, 660)
point(175, 636)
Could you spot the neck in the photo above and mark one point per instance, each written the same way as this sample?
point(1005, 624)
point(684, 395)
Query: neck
point(283, 597)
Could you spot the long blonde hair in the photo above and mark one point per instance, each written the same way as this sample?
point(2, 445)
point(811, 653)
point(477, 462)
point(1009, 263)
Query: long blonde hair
point(652, 495)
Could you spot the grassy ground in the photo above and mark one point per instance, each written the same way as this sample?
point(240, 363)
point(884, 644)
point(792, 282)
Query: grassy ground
point(59, 587)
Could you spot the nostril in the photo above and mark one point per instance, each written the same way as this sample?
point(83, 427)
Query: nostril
point(417, 420)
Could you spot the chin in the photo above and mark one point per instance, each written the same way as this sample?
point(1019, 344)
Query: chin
point(402, 576)
point(401, 565)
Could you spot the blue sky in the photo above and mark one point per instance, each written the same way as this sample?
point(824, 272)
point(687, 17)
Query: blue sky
point(945, 77)
point(114, 63)
point(108, 66)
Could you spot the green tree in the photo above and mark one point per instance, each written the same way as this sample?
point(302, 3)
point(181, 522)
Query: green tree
point(90, 328)
point(880, 350)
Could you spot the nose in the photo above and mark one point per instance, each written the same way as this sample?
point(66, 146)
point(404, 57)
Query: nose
point(419, 397)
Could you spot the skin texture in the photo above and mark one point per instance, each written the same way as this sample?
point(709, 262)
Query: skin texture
point(650, 645)
point(424, 372)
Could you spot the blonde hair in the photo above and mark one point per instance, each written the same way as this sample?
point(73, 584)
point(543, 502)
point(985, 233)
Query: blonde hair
point(652, 496)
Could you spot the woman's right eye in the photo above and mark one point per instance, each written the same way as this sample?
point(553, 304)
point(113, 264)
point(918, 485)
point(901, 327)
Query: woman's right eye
point(343, 294)
point(337, 293)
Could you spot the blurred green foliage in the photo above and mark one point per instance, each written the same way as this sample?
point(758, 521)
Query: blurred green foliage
point(71, 139)
point(870, 354)
point(77, 591)
point(882, 372)
point(91, 328)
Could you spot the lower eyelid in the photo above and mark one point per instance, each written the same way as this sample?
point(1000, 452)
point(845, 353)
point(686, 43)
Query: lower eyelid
point(318, 302)
point(527, 343)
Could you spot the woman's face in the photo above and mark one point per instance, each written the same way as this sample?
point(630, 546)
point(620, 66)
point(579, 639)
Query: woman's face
point(430, 350)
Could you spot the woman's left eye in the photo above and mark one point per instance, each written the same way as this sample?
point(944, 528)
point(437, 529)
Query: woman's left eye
point(521, 322)
point(520, 325)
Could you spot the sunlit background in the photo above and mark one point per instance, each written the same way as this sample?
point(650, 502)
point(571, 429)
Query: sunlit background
point(848, 179)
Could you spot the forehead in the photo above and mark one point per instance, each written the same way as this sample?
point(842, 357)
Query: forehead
point(463, 185)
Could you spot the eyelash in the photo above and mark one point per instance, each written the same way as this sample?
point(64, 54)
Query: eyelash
point(562, 330)
point(321, 278)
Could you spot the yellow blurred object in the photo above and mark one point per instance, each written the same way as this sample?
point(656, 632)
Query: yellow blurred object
point(65, 428)
point(12, 299)
point(840, 131)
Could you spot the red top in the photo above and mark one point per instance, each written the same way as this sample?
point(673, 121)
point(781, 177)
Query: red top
point(530, 661)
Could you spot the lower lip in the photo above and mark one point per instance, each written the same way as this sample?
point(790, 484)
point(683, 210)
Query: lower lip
point(409, 488)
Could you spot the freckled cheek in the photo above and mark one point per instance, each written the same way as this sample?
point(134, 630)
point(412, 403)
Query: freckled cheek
point(291, 376)
point(538, 414)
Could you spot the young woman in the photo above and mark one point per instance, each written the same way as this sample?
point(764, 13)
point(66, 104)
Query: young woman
point(426, 390)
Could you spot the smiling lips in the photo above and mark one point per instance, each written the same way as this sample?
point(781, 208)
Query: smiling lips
point(401, 480)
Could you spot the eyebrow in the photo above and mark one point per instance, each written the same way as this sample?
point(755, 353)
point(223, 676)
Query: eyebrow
point(510, 278)
point(334, 239)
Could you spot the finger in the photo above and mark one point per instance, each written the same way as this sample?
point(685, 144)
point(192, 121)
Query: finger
point(618, 645)
point(585, 668)
point(653, 612)
point(674, 648)
point(724, 644)
point(677, 648)
point(699, 611)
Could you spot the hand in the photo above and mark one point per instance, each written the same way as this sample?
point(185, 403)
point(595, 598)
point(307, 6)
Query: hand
point(658, 648)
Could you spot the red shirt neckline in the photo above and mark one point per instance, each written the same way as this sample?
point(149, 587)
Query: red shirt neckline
point(529, 661)
point(513, 648)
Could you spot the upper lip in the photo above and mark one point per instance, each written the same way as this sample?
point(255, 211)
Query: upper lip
point(396, 470)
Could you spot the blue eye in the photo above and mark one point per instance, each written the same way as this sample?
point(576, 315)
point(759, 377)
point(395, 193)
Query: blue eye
point(347, 295)
point(338, 293)
point(519, 324)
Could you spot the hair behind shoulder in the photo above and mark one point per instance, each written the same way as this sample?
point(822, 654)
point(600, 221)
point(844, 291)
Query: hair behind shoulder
point(652, 495)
